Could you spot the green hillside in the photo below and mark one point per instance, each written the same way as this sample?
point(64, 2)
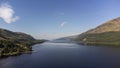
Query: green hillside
point(105, 34)
point(106, 38)
point(14, 43)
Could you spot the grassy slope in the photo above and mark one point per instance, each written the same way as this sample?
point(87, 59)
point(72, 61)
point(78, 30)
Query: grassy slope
point(106, 38)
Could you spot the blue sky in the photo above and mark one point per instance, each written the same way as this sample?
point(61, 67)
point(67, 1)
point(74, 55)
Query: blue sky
point(49, 19)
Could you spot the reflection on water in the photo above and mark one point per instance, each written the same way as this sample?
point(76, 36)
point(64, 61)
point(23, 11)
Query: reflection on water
point(65, 55)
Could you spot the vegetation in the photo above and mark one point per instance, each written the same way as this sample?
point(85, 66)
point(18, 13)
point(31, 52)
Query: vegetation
point(15, 43)
point(106, 38)
point(105, 34)
point(12, 48)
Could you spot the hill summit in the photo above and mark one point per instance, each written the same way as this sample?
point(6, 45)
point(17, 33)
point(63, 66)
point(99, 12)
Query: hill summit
point(112, 25)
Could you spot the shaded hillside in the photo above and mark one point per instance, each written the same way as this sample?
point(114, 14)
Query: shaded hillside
point(13, 43)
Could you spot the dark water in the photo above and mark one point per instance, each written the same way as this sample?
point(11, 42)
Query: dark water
point(65, 55)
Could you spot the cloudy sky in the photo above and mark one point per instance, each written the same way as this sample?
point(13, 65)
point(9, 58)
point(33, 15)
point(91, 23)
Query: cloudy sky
point(49, 19)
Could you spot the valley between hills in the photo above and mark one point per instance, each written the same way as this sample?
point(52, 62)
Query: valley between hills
point(15, 43)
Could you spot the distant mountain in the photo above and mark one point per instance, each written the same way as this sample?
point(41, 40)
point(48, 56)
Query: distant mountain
point(68, 39)
point(13, 43)
point(105, 34)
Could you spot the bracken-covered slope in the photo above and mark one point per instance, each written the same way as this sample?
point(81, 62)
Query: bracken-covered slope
point(112, 25)
point(105, 34)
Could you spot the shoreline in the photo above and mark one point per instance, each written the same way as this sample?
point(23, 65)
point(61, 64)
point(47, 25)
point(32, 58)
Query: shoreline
point(19, 53)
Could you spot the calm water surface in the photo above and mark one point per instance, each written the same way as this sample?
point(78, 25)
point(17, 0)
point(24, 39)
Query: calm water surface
point(65, 55)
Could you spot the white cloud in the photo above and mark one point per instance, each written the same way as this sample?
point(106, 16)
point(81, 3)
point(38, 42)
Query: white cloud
point(7, 13)
point(63, 23)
